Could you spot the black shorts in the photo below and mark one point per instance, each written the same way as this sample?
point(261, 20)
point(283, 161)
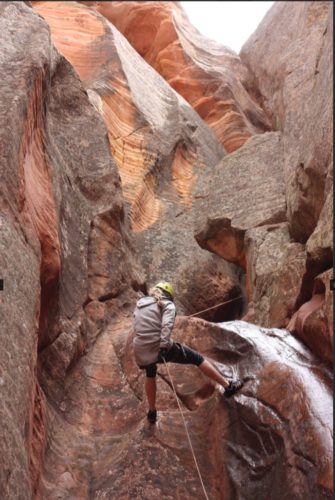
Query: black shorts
point(178, 353)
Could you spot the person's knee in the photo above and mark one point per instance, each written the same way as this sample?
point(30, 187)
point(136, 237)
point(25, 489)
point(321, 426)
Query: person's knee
point(200, 360)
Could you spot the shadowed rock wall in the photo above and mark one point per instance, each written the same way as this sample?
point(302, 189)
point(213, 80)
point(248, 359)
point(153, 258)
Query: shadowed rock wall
point(58, 182)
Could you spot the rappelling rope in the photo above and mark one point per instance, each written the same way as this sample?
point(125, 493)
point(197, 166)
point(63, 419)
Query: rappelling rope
point(187, 433)
point(217, 305)
point(177, 399)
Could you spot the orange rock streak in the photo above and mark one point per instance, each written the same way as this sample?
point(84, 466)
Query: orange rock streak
point(152, 28)
point(89, 54)
point(37, 201)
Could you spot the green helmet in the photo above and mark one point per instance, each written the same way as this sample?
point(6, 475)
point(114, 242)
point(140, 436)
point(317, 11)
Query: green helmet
point(167, 287)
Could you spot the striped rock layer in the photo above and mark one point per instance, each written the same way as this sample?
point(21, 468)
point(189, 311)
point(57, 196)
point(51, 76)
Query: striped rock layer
point(209, 76)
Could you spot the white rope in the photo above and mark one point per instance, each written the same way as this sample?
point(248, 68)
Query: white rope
point(187, 433)
point(217, 305)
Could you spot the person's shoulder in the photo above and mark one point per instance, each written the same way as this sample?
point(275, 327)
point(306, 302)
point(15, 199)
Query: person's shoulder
point(168, 305)
point(145, 301)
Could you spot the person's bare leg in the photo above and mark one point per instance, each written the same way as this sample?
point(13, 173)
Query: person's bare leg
point(208, 369)
point(150, 389)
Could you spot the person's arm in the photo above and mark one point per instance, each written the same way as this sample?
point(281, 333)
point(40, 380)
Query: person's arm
point(168, 318)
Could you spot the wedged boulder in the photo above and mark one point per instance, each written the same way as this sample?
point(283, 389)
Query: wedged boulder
point(246, 190)
point(259, 433)
point(208, 75)
point(276, 266)
point(163, 150)
point(294, 80)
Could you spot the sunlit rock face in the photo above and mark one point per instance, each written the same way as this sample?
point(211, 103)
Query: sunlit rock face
point(164, 152)
point(209, 76)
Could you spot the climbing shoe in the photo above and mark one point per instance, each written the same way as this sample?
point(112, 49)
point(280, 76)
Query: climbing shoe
point(233, 387)
point(152, 416)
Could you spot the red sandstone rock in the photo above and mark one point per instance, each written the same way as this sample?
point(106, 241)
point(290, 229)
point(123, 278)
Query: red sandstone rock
point(208, 75)
point(290, 56)
point(164, 152)
point(253, 174)
point(313, 321)
point(71, 281)
point(58, 179)
point(276, 266)
point(113, 451)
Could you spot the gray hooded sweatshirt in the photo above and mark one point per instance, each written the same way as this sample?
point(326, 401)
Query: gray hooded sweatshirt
point(153, 327)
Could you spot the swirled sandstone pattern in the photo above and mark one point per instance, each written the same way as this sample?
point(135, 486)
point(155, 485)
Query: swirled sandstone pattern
point(58, 180)
point(163, 150)
point(209, 76)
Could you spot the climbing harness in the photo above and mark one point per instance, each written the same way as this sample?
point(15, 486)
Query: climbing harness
point(217, 305)
point(187, 433)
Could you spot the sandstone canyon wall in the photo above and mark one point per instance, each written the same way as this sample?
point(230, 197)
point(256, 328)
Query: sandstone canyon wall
point(166, 155)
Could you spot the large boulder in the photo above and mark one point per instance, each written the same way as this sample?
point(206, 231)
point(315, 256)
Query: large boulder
point(246, 190)
point(290, 57)
point(210, 76)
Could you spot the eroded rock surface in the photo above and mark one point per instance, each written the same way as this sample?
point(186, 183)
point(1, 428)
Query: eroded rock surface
point(77, 196)
point(164, 151)
point(293, 81)
point(276, 266)
point(58, 181)
point(113, 451)
point(209, 76)
point(246, 190)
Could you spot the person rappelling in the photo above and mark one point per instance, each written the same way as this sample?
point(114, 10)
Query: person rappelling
point(154, 318)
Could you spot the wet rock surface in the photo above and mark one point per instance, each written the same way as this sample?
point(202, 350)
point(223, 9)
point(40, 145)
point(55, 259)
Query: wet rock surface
point(258, 434)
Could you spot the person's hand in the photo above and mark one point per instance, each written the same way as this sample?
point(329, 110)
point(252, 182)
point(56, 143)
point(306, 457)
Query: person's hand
point(163, 352)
